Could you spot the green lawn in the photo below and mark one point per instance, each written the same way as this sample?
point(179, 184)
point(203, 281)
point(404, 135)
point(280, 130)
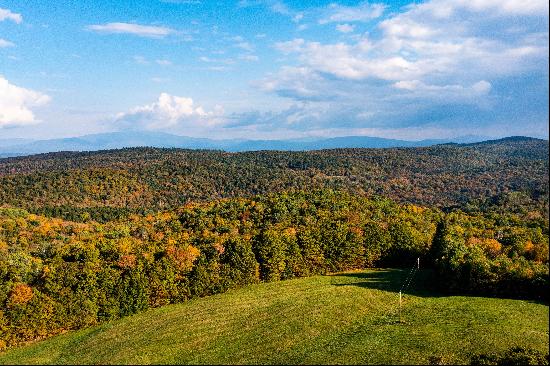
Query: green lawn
point(347, 318)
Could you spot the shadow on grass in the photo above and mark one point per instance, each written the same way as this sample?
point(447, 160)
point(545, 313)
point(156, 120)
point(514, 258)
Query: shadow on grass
point(424, 283)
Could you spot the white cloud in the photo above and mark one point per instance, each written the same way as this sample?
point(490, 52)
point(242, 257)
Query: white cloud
point(447, 8)
point(131, 28)
point(417, 44)
point(164, 62)
point(345, 28)
point(348, 61)
point(298, 17)
point(6, 14)
point(439, 62)
point(482, 87)
point(361, 13)
point(4, 43)
point(170, 111)
point(16, 104)
point(227, 61)
point(458, 92)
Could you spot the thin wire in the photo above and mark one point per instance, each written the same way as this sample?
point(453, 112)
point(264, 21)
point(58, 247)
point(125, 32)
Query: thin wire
point(409, 278)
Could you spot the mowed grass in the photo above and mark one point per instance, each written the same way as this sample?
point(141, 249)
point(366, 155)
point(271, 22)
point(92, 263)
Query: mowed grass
point(347, 318)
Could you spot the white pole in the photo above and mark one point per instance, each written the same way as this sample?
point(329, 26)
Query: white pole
point(418, 263)
point(399, 306)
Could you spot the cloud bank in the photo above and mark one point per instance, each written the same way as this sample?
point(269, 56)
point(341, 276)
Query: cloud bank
point(444, 63)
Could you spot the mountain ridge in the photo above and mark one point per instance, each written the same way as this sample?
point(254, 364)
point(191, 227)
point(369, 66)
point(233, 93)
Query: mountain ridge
point(116, 140)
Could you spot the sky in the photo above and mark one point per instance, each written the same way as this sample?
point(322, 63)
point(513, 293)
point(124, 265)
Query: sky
point(269, 69)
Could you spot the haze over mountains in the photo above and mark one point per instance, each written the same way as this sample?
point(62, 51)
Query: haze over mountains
point(103, 141)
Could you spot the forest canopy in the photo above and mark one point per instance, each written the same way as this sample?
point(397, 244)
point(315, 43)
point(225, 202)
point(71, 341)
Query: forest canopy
point(110, 184)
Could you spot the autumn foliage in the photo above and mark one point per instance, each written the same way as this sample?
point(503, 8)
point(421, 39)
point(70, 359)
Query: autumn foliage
point(59, 275)
point(20, 294)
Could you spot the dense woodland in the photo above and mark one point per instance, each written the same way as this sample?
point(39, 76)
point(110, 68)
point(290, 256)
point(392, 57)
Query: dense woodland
point(90, 237)
point(110, 184)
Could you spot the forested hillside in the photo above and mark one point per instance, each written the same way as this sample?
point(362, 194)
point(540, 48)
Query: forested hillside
point(57, 275)
point(90, 237)
point(109, 184)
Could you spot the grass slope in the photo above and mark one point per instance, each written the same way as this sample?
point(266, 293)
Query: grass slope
point(344, 318)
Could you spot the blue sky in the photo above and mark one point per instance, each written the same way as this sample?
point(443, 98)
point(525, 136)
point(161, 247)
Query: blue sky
point(274, 69)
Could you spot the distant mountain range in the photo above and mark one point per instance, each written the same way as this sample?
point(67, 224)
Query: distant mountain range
point(115, 140)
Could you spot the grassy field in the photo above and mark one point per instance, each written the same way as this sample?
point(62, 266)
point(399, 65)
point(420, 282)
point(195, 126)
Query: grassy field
point(347, 318)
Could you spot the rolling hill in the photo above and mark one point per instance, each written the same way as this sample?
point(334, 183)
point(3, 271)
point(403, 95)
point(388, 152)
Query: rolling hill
point(346, 318)
point(446, 176)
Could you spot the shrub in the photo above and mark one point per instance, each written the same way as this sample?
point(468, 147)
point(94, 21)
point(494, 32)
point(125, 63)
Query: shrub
point(513, 356)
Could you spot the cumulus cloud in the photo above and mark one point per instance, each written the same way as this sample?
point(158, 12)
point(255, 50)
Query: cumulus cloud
point(412, 56)
point(6, 14)
point(132, 28)
point(16, 103)
point(170, 111)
